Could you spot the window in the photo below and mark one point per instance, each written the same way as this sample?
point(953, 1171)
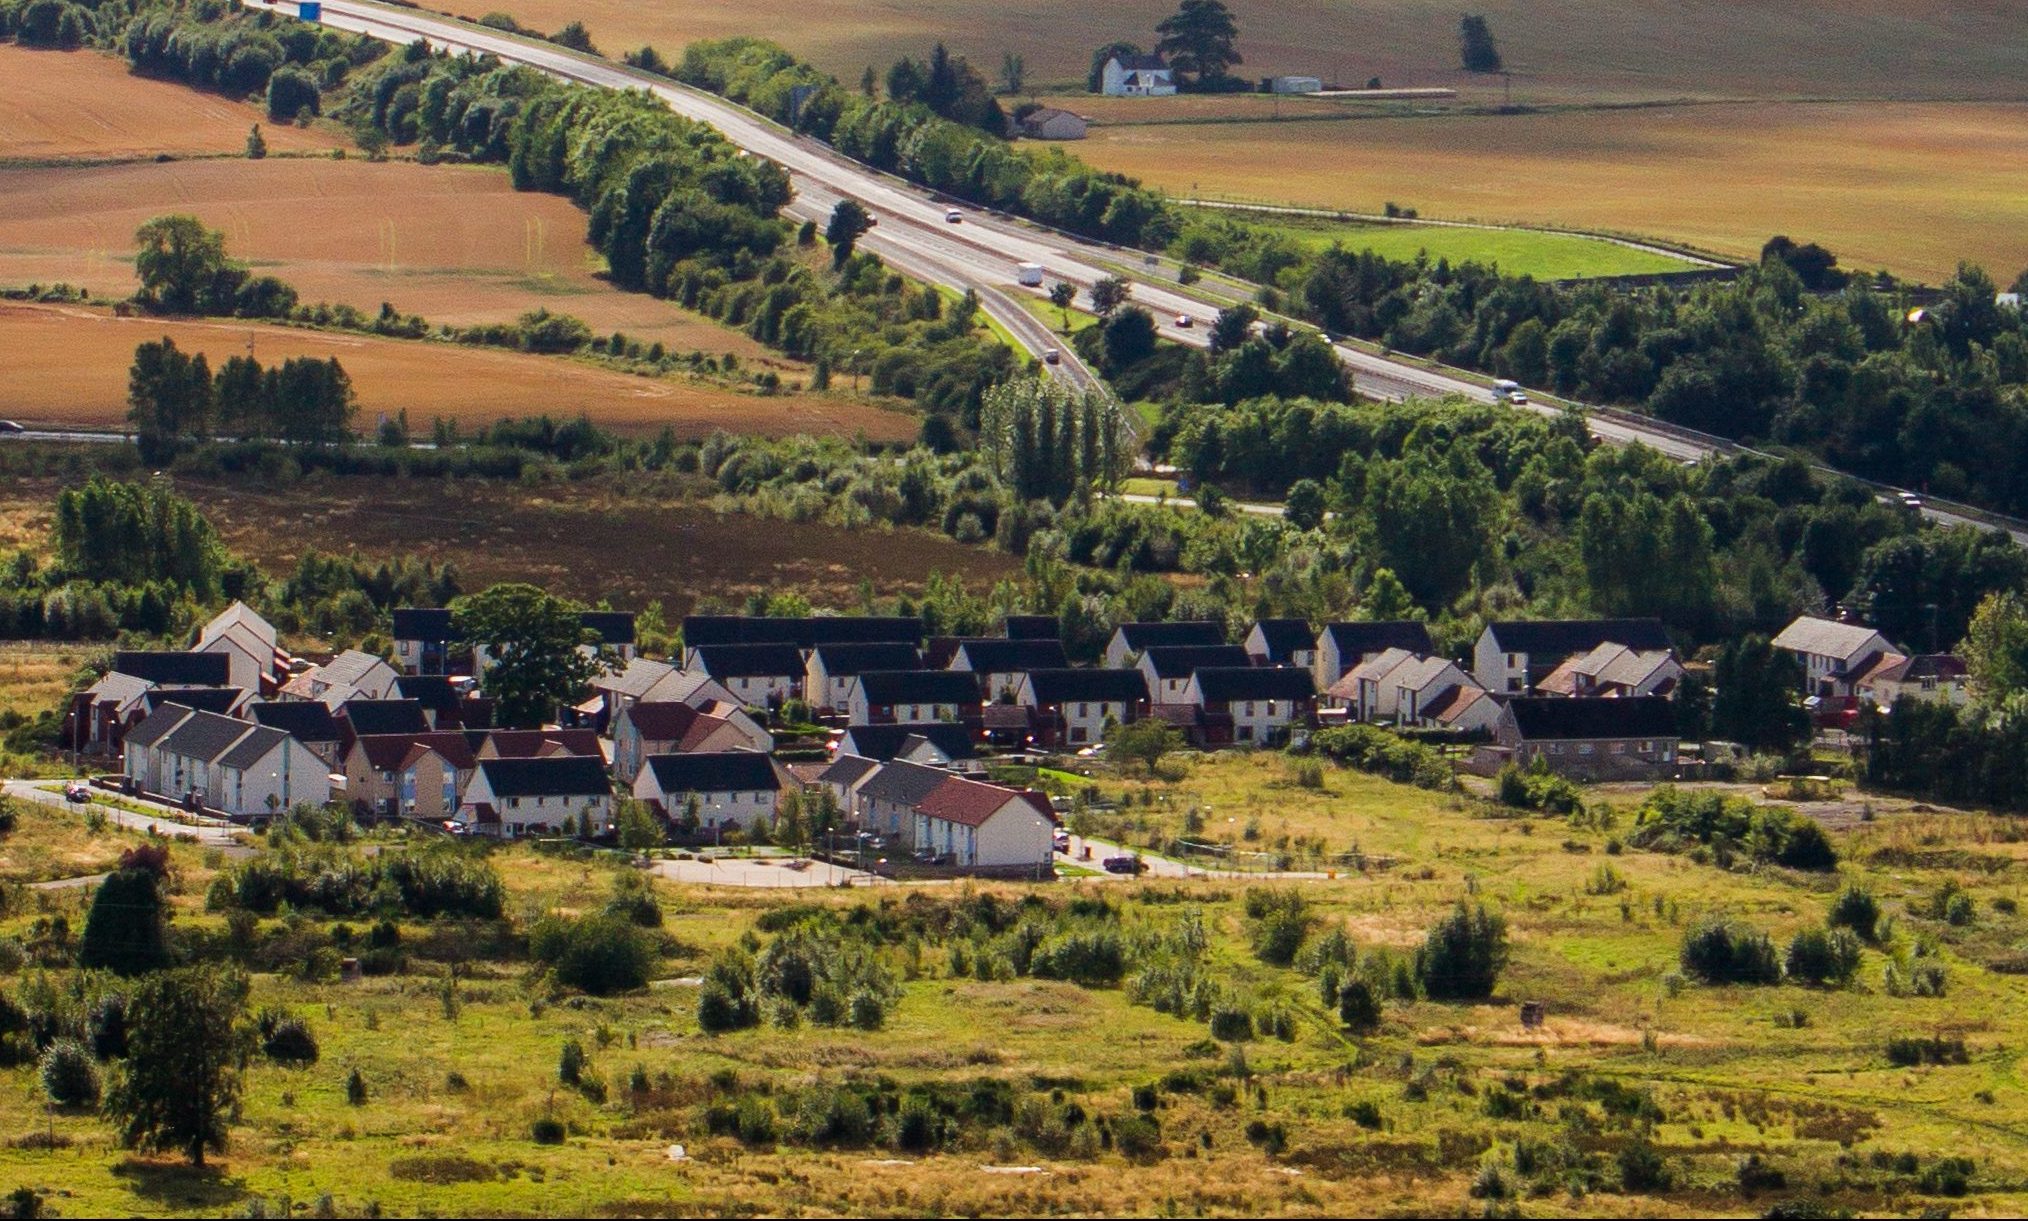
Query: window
point(1584, 748)
point(1249, 708)
point(1647, 747)
point(1083, 710)
point(1513, 659)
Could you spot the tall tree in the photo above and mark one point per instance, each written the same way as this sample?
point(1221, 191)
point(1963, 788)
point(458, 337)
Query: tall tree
point(181, 265)
point(168, 398)
point(1109, 293)
point(849, 219)
point(126, 931)
point(1996, 647)
point(1198, 39)
point(1755, 698)
point(1048, 441)
point(1013, 72)
point(187, 1041)
point(539, 652)
point(1477, 48)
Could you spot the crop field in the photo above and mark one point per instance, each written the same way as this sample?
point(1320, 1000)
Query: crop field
point(1912, 188)
point(1631, 1061)
point(68, 365)
point(1516, 251)
point(80, 105)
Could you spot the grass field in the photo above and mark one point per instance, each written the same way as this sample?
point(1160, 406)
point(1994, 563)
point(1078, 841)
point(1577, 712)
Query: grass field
point(69, 366)
point(1515, 251)
point(1910, 188)
point(35, 676)
point(65, 105)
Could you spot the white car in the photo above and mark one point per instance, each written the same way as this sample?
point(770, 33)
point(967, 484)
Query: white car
point(1517, 397)
point(1185, 321)
point(1910, 500)
point(952, 216)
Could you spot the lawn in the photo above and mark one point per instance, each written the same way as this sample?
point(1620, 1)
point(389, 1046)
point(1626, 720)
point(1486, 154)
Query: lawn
point(1547, 256)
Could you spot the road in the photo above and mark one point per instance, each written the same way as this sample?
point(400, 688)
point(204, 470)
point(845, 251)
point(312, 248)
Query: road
point(214, 833)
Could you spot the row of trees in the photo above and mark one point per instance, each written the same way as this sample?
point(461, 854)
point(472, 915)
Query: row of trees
point(174, 399)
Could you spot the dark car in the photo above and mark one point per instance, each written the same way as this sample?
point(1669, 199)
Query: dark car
point(1124, 864)
point(11, 426)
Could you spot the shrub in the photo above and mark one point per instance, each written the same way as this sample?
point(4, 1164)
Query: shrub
point(287, 1040)
point(1907, 1051)
point(1946, 1176)
point(1463, 955)
point(1641, 1167)
point(599, 954)
point(1365, 1113)
point(68, 1076)
point(1755, 1175)
point(1138, 1137)
point(546, 1132)
point(570, 1065)
point(355, 1088)
point(1720, 953)
point(1820, 956)
point(729, 998)
point(1231, 1024)
point(1358, 1006)
point(106, 1026)
point(1856, 908)
point(1281, 921)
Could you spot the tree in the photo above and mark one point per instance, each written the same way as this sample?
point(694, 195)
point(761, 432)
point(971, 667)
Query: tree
point(1013, 72)
point(256, 144)
point(186, 1044)
point(1127, 338)
point(539, 651)
point(168, 398)
point(1095, 80)
point(868, 83)
point(576, 37)
point(1476, 47)
point(1108, 294)
point(1232, 327)
point(1061, 294)
point(792, 829)
point(638, 829)
point(180, 264)
point(1304, 508)
point(1996, 647)
point(1048, 440)
point(126, 930)
point(1463, 955)
point(1755, 701)
point(1198, 39)
point(1815, 266)
point(848, 221)
point(1143, 741)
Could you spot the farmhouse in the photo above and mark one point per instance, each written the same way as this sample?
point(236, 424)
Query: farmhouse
point(733, 788)
point(1126, 76)
point(1588, 738)
point(1130, 640)
point(1049, 123)
point(1248, 704)
point(1071, 707)
point(1512, 658)
point(1341, 646)
point(1168, 668)
point(938, 744)
point(758, 675)
point(975, 826)
point(913, 697)
point(1833, 654)
point(513, 797)
point(828, 674)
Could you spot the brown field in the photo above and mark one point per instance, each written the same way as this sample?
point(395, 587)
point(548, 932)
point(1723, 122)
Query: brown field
point(1912, 188)
point(585, 538)
point(1703, 48)
point(68, 365)
point(80, 104)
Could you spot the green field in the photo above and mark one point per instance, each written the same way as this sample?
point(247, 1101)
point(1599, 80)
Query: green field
point(1544, 255)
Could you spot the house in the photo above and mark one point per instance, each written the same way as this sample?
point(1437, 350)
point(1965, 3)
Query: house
point(802, 633)
point(307, 721)
point(535, 743)
point(250, 646)
point(101, 714)
point(888, 798)
point(225, 701)
point(1511, 658)
point(1253, 705)
point(652, 680)
point(411, 775)
point(675, 728)
point(173, 669)
point(1072, 707)
point(423, 640)
point(228, 765)
point(1031, 627)
point(731, 788)
point(1168, 668)
point(1049, 123)
point(350, 675)
point(971, 825)
point(1588, 738)
point(1398, 686)
point(758, 675)
point(842, 777)
point(1130, 640)
point(1341, 646)
point(913, 697)
point(1000, 664)
point(1933, 678)
point(357, 717)
point(1281, 642)
point(1467, 710)
point(936, 744)
point(513, 797)
point(1127, 76)
point(447, 703)
point(828, 674)
point(1613, 669)
point(1833, 654)
point(1295, 83)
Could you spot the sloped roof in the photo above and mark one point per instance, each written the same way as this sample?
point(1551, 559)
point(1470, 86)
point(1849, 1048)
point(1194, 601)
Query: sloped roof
point(1284, 637)
point(221, 700)
point(252, 747)
point(1825, 638)
point(529, 743)
point(238, 616)
point(884, 742)
point(1456, 703)
point(1141, 63)
point(1360, 639)
point(547, 776)
point(1223, 684)
point(903, 783)
point(634, 681)
point(613, 627)
point(158, 725)
point(1139, 637)
point(305, 721)
point(999, 656)
point(1417, 675)
point(205, 735)
point(804, 633)
point(383, 716)
point(1087, 686)
point(661, 721)
point(118, 688)
point(750, 660)
point(351, 667)
point(428, 624)
point(971, 803)
point(718, 771)
point(1031, 627)
point(1547, 718)
point(919, 687)
point(1183, 660)
point(433, 691)
point(1892, 668)
point(845, 660)
point(1562, 637)
point(848, 770)
point(391, 751)
point(175, 669)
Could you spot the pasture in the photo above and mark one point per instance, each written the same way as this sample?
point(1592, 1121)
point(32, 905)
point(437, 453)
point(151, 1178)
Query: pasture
point(68, 366)
point(1544, 255)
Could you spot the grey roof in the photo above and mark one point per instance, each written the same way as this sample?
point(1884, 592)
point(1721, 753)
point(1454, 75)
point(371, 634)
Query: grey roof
point(1142, 63)
point(905, 783)
point(723, 661)
point(204, 699)
point(178, 669)
point(432, 691)
point(1562, 637)
point(119, 688)
point(303, 720)
point(884, 687)
point(1183, 660)
point(204, 736)
point(722, 771)
point(845, 660)
point(640, 675)
point(1000, 656)
point(1548, 718)
point(349, 667)
point(884, 742)
point(1141, 636)
point(847, 770)
point(158, 724)
point(547, 776)
point(1360, 639)
point(1090, 686)
point(1224, 684)
point(613, 627)
point(1825, 638)
point(250, 749)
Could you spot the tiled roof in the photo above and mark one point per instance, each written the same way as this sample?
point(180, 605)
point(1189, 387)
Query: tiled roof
point(179, 669)
point(205, 735)
point(1825, 638)
point(549, 776)
point(847, 770)
point(1562, 637)
point(1088, 686)
point(1183, 660)
point(388, 752)
point(157, 725)
point(351, 667)
point(804, 633)
point(613, 627)
point(997, 656)
point(422, 623)
point(383, 716)
point(1141, 636)
point(885, 687)
point(971, 803)
point(661, 721)
point(433, 691)
point(221, 700)
point(1285, 637)
point(723, 661)
point(528, 743)
point(253, 747)
point(1223, 685)
point(1454, 705)
point(845, 660)
point(1361, 639)
point(722, 771)
point(886, 741)
point(903, 783)
point(1031, 627)
point(1542, 718)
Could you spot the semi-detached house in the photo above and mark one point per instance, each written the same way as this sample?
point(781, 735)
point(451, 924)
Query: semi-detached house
point(828, 674)
point(972, 825)
point(1071, 707)
point(231, 766)
point(758, 675)
point(514, 797)
point(729, 789)
point(913, 697)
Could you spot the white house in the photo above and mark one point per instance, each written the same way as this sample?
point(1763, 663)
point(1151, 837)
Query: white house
point(888, 798)
point(756, 674)
point(1341, 646)
point(844, 776)
point(1000, 663)
point(1467, 710)
point(1935, 678)
point(938, 744)
point(1168, 668)
point(828, 674)
point(1281, 642)
point(1130, 640)
point(1613, 669)
point(1511, 658)
point(1833, 654)
point(1127, 76)
point(1423, 686)
point(657, 681)
point(513, 797)
point(912, 697)
point(247, 641)
point(970, 824)
point(731, 789)
point(1250, 705)
point(231, 766)
point(1364, 690)
point(1071, 707)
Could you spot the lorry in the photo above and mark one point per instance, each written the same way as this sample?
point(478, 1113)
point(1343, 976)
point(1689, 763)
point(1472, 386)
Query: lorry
point(1028, 275)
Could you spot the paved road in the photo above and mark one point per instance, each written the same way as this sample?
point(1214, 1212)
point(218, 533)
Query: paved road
point(981, 252)
point(213, 832)
point(763, 872)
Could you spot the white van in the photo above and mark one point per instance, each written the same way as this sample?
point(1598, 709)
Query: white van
point(1508, 391)
point(1028, 275)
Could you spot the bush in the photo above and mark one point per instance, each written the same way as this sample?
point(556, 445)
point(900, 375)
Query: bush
point(1358, 1006)
point(1463, 955)
point(355, 1088)
point(1946, 1176)
point(1820, 956)
point(1231, 1024)
point(599, 954)
point(570, 1065)
point(68, 1076)
point(1907, 1051)
point(1641, 1167)
point(546, 1132)
point(287, 1040)
point(1856, 908)
point(1720, 953)
point(1365, 1113)
point(1282, 920)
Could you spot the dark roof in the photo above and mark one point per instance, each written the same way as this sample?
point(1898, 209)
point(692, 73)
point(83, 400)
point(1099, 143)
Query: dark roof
point(613, 627)
point(176, 669)
point(1562, 637)
point(204, 699)
point(661, 720)
point(1141, 63)
point(884, 742)
point(1285, 637)
point(700, 630)
point(1183, 660)
point(303, 720)
point(388, 752)
point(204, 735)
point(432, 691)
point(1547, 718)
point(1031, 627)
point(528, 743)
point(547, 776)
point(970, 803)
point(906, 783)
point(250, 749)
point(1366, 639)
point(1141, 636)
point(384, 716)
point(1089, 686)
point(994, 656)
point(715, 771)
point(845, 660)
point(156, 725)
point(1222, 684)
point(420, 623)
point(920, 687)
point(750, 660)
point(847, 769)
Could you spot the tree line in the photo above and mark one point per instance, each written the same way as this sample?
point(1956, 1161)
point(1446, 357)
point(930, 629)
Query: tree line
point(174, 399)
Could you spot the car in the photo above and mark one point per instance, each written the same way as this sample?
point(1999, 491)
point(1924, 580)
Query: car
point(952, 216)
point(1910, 500)
point(1185, 321)
point(79, 793)
point(1050, 356)
point(1124, 864)
point(11, 426)
point(1517, 397)
point(1060, 841)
